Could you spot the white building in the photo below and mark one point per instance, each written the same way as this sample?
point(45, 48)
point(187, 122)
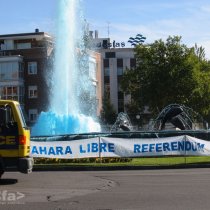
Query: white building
point(115, 60)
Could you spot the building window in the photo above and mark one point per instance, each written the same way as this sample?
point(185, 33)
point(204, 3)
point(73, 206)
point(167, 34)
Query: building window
point(120, 101)
point(24, 45)
point(106, 80)
point(110, 55)
point(32, 91)
point(132, 62)
point(106, 63)
point(11, 93)
point(119, 80)
point(120, 105)
point(107, 89)
point(92, 70)
point(33, 113)
point(119, 71)
point(106, 71)
point(120, 95)
point(119, 62)
point(32, 67)
point(9, 70)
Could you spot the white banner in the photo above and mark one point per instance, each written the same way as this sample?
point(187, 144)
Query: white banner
point(197, 147)
point(66, 149)
point(179, 145)
point(121, 147)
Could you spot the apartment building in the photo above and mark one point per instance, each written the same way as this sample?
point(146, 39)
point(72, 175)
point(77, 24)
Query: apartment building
point(116, 58)
point(24, 59)
point(115, 61)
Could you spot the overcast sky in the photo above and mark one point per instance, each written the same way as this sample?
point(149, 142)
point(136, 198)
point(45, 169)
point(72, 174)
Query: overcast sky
point(155, 19)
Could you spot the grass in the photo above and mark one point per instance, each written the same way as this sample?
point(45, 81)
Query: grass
point(170, 160)
point(111, 162)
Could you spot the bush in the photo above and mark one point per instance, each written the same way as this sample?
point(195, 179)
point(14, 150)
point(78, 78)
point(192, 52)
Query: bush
point(80, 160)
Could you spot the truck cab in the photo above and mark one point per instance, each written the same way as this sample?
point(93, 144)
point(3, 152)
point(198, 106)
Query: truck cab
point(14, 139)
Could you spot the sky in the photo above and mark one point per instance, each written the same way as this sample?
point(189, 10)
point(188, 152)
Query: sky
point(120, 19)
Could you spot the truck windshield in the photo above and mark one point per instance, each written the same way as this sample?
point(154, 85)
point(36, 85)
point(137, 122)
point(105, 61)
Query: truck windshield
point(22, 119)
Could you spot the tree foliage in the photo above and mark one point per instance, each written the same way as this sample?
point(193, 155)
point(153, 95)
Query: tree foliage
point(108, 113)
point(169, 72)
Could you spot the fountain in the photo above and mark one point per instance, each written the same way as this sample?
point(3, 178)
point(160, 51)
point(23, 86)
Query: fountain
point(54, 134)
point(69, 80)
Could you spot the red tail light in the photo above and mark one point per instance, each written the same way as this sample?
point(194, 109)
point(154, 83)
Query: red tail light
point(22, 140)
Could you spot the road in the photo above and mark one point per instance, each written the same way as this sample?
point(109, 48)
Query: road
point(107, 190)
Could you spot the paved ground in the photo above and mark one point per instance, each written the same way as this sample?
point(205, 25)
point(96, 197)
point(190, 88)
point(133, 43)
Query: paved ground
point(106, 190)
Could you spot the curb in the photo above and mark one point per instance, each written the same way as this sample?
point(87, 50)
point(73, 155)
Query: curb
point(114, 168)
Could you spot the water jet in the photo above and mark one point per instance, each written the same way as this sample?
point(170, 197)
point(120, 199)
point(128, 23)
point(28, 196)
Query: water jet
point(69, 80)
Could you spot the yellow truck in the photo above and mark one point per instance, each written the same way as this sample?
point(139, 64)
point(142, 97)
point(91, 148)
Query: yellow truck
point(14, 139)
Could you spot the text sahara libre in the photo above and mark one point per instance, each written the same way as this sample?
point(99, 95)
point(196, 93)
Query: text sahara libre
point(59, 150)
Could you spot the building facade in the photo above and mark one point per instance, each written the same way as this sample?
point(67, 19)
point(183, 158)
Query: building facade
point(116, 58)
point(95, 75)
point(33, 51)
point(115, 61)
point(26, 64)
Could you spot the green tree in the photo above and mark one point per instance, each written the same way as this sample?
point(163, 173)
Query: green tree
point(108, 113)
point(168, 72)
